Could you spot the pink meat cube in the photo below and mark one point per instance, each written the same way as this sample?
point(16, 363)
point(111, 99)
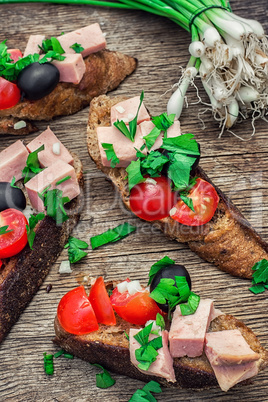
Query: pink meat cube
point(13, 161)
point(173, 131)
point(123, 147)
point(72, 68)
point(127, 110)
point(47, 157)
point(90, 38)
point(163, 365)
point(33, 44)
point(231, 357)
point(50, 176)
point(187, 333)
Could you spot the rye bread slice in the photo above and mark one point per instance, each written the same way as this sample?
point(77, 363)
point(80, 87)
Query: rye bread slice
point(105, 70)
point(22, 275)
point(109, 347)
point(228, 240)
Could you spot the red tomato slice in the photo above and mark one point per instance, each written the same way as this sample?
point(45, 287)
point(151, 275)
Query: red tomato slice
point(9, 94)
point(152, 199)
point(136, 309)
point(15, 54)
point(205, 202)
point(76, 314)
point(13, 242)
point(101, 303)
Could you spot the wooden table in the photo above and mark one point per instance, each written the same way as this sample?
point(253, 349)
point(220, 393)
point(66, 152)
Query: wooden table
point(239, 168)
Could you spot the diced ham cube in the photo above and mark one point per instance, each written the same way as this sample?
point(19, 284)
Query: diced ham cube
point(50, 176)
point(163, 366)
point(72, 68)
point(47, 157)
point(13, 161)
point(123, 147)
point(231, 358)
point(127, 110)
point(187, 333)
point(90, 38)
point(173, 131)
point(33, 44)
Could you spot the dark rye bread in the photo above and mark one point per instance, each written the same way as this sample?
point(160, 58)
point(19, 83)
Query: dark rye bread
point(22, 275)
point(105, 70)
point(228, 240)
point(109, 347)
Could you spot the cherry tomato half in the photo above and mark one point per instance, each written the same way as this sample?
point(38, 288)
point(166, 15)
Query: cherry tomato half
point(152, 199)
point(13, 242)
point(136, 309)
point(76, 314)
point(205, 202)
point(101, 303)
point(9, 94)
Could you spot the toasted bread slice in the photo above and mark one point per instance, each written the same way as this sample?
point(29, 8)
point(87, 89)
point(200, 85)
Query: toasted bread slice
point(105, 70)
point(228, 240)
point(22, 275)
point(109, 347)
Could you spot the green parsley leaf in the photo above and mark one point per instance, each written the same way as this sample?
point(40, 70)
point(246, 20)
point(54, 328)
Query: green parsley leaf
point(33, 220)
point(160, 321)
point(77, 48)
point(52, 44)
point(260, 277)
point(3, 230)
point(153, 163)
point(13, 181)
point(256, 289)
point(54, 203)
point(143, 335)
point(104, 379)
point(48, 364)
point(134, 174)
point(50, 56)
point(75, 247)
point(191, 306)
point(144, 394)
point(121, 125)
point(147, 353)
point(151, 137)
point(183, 144)
point(112, 235)
point(163, 122)
point(164, 262)
point(110, 153)
point(179, 171)
point(188, 201)
point(32, 165)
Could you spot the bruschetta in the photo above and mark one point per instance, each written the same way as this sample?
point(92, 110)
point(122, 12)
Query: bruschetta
point(34, 230)
point(83, 69)
point(197, 349)
point(224, 238)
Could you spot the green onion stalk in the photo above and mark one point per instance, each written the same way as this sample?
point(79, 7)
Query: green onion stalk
point(228, 53)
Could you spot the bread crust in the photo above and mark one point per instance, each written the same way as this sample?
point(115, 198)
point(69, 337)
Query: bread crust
point(109, 347)
point(228, 240)
point(22, 275)
point(105, 70)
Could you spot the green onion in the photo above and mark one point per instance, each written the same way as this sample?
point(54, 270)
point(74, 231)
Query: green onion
point(48, 364)
point(112, 235)
point(75, 249)
point(104, 379)
point(3, 230)
point(144, 394)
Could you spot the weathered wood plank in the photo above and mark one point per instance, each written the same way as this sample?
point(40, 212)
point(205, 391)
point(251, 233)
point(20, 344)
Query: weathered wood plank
point(239, 168)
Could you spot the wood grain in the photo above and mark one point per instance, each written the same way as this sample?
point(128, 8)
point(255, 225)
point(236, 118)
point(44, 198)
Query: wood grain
point(239, 167)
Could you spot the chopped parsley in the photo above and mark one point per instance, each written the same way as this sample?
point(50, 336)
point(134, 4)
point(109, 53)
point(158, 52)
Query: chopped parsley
point(112, 235)
point(144, 394)
point(75, 249)
point(131, 131)
point(260, 277)
point(13, 181)
point(51, 44)
point(104, 379)
point(110, 153)
point(48, 364)
point(54, 203)
point(63, 180)
point(164, 262)
point(176, 292)
point(3, 230)
point(147, 353)
point(77, 48)
point(33, 220)
point(32, 165)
